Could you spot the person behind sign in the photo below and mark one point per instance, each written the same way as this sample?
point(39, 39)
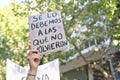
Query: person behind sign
point(34, 61)
point(117, 72)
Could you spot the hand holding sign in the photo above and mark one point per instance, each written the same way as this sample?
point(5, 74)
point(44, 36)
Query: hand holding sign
point(34, 60)
point(49, 35)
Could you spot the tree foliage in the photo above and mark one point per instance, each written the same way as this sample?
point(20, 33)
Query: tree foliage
point(14, 35)
point(99, 18)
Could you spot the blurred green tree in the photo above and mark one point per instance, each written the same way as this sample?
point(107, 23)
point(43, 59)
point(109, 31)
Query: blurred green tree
point(86, 22)
point(14, 35)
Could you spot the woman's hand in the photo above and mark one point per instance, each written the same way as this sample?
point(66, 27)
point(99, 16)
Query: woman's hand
point(34, 61)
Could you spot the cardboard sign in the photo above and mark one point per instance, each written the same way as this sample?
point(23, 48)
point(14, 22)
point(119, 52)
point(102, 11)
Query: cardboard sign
point(47, 32)
point(48, 71)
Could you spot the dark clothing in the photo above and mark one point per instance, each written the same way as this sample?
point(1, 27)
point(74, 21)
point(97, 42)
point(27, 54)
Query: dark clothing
point(117, 75)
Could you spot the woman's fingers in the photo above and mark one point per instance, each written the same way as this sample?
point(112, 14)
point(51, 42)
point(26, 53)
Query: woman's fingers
point(34, 58)
point(37, 58)
point(33, 52)
point(33, 55)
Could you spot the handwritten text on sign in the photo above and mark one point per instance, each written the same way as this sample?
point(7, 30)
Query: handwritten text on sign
point(47, 32)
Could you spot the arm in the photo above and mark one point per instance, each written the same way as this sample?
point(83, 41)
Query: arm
point(34, 60)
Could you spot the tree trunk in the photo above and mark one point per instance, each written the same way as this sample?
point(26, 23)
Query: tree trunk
point(99, 68)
